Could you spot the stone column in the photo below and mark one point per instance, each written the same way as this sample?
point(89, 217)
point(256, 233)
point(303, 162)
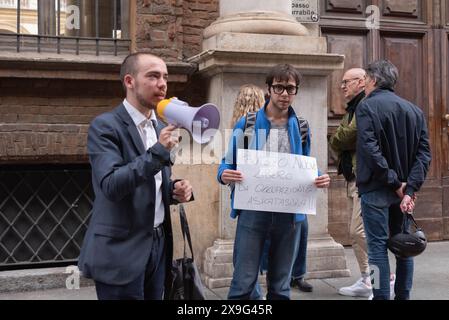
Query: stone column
point(240, 47)
point(252, 16)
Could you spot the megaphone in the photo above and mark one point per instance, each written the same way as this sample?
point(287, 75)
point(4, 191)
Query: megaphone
point(202, 122)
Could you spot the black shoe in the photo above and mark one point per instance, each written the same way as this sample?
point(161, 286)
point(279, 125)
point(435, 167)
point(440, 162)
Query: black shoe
point(302, 285)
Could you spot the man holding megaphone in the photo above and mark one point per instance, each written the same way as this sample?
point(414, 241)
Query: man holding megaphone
point(128, 246)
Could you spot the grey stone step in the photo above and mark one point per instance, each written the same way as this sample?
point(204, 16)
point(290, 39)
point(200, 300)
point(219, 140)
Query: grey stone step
point(42, 279)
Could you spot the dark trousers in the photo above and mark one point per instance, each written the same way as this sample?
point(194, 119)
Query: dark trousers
point(382, 218)
point(149, 285)
point(300, 265)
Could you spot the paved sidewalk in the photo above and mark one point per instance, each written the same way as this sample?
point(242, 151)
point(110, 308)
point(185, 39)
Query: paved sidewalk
point(431, 277)
point(431, 282)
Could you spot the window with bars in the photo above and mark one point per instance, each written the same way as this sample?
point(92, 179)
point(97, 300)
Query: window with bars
point(99, 27)
point(44, 214)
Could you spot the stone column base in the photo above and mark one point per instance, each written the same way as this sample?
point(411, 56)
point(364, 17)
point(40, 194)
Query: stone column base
point(325, 258)
point(218, 267)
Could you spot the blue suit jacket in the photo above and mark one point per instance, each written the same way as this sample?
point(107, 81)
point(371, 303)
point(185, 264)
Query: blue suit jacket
point(118, 241)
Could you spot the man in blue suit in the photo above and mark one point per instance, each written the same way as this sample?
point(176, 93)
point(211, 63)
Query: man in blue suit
point(128, 246)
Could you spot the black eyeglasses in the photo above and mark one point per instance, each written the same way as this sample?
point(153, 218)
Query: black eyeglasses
point(279, 89)
point(345, 82)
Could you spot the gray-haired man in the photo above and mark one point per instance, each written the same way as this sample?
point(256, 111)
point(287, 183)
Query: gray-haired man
point(393, 157)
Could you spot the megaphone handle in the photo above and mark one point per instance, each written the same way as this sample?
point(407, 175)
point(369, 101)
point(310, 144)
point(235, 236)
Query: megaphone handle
point(410, 216)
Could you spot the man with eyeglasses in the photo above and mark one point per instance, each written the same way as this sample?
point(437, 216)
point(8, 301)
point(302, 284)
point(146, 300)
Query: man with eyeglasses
point(343, 142)
point(276, 129)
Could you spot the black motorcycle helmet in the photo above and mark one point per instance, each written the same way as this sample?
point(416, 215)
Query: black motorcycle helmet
point(406, 244)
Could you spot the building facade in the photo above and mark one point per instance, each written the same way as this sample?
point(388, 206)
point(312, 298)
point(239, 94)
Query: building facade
point(54, 79)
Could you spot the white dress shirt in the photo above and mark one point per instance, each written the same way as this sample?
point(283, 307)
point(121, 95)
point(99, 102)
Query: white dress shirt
point(149, 138)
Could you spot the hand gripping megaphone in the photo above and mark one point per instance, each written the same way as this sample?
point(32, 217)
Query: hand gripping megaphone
point(202, 122)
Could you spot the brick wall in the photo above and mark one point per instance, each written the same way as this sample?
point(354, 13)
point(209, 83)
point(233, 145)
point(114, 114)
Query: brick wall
point(45, 143)
point(46, 121)
point(173, 29)
point(198, 14)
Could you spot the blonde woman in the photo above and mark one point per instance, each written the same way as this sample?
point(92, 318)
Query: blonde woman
point(250, 99)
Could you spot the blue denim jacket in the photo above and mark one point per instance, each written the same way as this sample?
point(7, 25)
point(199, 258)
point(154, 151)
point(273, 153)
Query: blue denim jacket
point(262, 123)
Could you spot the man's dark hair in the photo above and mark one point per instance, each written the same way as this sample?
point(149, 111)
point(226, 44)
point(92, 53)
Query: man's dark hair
point(384, 72)
point(130, 66)
point(283, 72)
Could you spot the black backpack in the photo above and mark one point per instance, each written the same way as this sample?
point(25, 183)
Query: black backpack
point(250, 122)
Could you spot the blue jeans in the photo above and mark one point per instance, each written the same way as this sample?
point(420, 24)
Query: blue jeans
point(299, 267)
point(382, 217)
point(300, 263)
point(253, 228)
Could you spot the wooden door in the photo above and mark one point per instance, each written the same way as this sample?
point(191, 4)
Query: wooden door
point(445, 116)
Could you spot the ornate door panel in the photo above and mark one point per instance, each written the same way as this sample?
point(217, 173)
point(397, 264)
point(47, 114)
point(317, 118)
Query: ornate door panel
point(445, 130)
point(406, 52)
point(354, 46)
point(407, 11)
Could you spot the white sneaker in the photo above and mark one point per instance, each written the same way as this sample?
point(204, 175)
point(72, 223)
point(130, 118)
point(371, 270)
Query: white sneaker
point(358, 289)
point(392, 281)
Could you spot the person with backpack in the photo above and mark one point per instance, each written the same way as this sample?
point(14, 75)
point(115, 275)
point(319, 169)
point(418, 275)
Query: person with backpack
point(250, 99)
point(276, 119)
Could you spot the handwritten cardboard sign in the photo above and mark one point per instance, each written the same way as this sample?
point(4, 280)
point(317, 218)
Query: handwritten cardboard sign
point(276, 182)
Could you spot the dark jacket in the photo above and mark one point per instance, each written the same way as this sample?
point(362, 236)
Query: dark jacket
point(118, 242)
point(392, 143)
